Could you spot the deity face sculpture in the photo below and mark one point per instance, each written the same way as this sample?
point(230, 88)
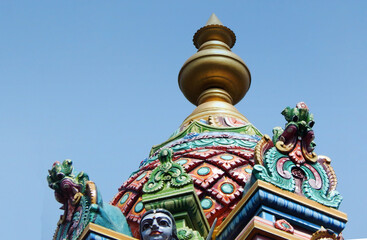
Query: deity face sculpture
point(158, 224)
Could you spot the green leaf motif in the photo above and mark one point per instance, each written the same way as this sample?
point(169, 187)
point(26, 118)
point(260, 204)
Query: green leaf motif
point(315, 186)
point(168, 174)
point(186, 233)
point(330, 199)
point(269, 173)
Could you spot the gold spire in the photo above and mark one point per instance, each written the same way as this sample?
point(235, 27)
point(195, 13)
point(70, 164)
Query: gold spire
point(214, 78)
point(213, 20)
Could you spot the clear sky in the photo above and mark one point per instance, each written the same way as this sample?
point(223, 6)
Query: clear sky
point(96, 82)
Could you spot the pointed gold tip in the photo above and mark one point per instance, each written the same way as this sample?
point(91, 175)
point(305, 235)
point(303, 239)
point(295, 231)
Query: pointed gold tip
point(213, 20)
point(214, 30)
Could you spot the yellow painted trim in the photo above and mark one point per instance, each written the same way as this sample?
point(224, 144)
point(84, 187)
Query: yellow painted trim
point(285, 194)
point(257, 227)
point(103, 231)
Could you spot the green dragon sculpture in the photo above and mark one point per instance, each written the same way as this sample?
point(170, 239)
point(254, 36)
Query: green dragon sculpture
point(82, 203)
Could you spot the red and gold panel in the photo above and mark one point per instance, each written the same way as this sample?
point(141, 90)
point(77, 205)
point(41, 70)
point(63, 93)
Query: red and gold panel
point(139, 181)
point(179, 154)
point(226, 191)
point(134, 215)
point(199, 192)
point(245, 153)
point(227, 161)
point(212, 209)
point(126, 201)
point(241, 174)
point(188, 163)
point(151, 165)
point(219, 175)
point(205, 175)
point(129, 180)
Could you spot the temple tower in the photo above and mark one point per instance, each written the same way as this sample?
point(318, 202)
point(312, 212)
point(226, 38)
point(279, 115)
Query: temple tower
point(218, 175)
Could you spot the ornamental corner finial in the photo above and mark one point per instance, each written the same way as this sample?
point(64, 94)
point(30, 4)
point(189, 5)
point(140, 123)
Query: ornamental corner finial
point(296, 139)
point(289, 162)
point(82, 203)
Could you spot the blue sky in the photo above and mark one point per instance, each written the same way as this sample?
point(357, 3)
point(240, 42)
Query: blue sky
point(96, 82)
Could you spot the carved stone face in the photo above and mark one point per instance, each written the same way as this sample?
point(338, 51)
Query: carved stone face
point(156, 226)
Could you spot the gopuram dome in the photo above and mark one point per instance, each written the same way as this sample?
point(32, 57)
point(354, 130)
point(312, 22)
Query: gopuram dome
point(216, 177)
point(215, 144)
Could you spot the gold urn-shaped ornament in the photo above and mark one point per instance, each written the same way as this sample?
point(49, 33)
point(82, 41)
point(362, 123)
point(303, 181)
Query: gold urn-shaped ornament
point(214, 78)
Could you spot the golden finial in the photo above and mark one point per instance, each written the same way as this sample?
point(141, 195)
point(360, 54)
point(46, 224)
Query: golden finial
point(214, 78)
point(214, 30)
point(213, 20)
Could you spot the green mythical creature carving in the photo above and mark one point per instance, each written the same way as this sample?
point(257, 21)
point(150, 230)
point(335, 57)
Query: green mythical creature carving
point(297, 137)
point(289, 162)
point(68, 188)
point(82, 203)
point(168, 172)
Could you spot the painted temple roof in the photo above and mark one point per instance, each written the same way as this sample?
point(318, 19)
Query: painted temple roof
point(217, 147)
point(220, 149)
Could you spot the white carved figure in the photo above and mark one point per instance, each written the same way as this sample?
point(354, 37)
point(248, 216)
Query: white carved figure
point(158, 224)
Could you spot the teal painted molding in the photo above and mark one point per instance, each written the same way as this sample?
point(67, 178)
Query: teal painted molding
point(277, 169)
point(110, 217)
point(206, 139)
point(199, 127)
